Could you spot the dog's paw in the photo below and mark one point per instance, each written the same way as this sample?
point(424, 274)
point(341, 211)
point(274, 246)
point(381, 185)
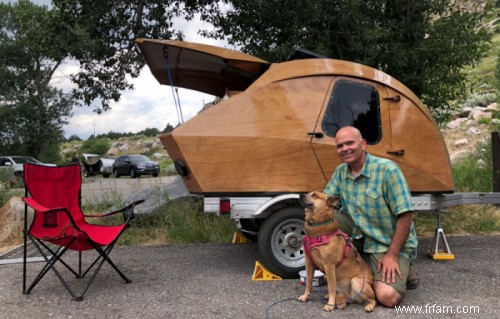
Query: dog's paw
point(341, 305)
point(303, 298)
point(329, 307)
point(370, 306)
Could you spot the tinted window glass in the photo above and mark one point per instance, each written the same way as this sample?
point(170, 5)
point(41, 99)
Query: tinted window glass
point(353, 104)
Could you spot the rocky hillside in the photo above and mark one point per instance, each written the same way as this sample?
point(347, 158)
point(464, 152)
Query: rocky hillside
point(471, 126)
point(150, 146)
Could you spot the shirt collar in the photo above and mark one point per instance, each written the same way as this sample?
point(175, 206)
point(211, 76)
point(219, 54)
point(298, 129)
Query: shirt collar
point(365, 171)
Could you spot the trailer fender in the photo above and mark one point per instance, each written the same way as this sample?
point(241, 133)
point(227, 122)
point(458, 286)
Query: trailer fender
point(264, 211)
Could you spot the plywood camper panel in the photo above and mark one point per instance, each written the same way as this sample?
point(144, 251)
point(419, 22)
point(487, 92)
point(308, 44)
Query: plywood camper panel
point(257, 142)
point(426, 160)
point(173, 151)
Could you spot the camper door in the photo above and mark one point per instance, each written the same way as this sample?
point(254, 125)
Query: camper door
point(351, 102)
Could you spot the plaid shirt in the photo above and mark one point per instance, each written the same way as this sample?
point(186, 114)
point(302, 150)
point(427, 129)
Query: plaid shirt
point(373, 200)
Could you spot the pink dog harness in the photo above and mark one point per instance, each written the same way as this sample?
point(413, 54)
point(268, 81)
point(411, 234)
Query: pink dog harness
point(311, 242)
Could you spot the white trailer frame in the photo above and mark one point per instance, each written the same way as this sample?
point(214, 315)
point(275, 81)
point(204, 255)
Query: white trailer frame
point(259, 208)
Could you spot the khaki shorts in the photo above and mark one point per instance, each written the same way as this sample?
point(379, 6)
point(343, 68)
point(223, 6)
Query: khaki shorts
point(346, 225)
point(404, 267)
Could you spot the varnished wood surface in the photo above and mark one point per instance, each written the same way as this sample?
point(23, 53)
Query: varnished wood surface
point(257, 141)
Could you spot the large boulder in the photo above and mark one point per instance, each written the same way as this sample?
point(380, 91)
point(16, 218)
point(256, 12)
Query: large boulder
point(12, 221)
point(459, 157)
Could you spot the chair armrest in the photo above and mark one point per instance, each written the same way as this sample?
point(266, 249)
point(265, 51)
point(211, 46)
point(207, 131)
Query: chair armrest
point(128, 211)
point(45, 210)
point(38, 207)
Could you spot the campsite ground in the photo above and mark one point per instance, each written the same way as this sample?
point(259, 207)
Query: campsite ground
point(215, 281)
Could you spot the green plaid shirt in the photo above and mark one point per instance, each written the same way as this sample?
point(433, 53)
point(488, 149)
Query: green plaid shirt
point(373, 200)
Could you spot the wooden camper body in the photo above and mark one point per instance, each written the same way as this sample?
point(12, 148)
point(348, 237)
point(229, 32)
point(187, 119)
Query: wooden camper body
point(272, 134)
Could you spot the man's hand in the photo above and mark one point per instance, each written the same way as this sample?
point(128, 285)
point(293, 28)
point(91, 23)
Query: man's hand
point(389, 265)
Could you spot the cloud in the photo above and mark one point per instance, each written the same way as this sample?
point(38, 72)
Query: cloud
point(150, 104)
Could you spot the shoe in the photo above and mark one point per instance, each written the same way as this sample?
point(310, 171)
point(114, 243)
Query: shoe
point(413, 280)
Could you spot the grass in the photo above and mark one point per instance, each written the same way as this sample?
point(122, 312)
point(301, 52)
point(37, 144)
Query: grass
point(475, 174)
point(180, 221)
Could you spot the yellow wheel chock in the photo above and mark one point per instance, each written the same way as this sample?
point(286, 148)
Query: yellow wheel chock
point(261, 273)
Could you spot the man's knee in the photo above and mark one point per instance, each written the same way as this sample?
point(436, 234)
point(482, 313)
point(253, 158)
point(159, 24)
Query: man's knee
point(386, 295)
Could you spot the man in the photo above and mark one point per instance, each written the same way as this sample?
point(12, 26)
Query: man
point(377, 213)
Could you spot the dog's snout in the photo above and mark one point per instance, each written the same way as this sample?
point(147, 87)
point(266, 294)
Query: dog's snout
point(303, 200)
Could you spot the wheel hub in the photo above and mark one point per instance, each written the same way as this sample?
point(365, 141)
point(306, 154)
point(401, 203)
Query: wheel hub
point(293, 241)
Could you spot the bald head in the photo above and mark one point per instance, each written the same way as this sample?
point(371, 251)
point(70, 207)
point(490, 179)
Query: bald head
point(351, 147)
point(349, 131)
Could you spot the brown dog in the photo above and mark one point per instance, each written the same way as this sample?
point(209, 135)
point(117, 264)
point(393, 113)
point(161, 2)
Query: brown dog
point(347, 274)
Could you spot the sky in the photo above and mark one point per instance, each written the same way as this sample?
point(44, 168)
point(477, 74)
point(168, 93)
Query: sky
point(149, 105)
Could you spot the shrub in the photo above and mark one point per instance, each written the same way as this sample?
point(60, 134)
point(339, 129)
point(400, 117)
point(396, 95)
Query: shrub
point(479, 99)
point(97, 146)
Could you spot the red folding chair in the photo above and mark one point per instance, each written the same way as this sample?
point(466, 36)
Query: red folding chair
point(59, 224)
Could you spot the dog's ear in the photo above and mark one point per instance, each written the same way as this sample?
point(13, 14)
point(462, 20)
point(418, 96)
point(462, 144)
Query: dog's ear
point(333, 201)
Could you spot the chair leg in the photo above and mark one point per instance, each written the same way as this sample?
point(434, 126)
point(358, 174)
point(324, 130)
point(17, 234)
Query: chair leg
point(50, 265)
point(56, 257)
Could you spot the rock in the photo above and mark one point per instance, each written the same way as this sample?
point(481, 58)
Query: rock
point(473, 131)
point(492, 107)
point(456, 123)
point(159, 156)
point(478, 113)
point(112, 152)
point(463, 112)
point(459, 157)
point(461, 142)
point(12, 220)
point(155, 197)
point(123, 147)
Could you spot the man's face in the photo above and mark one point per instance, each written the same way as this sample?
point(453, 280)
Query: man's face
point(350, 146)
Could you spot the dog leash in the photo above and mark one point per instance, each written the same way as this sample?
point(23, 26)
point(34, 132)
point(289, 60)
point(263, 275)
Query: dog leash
point(351, 299)
point(356, 295)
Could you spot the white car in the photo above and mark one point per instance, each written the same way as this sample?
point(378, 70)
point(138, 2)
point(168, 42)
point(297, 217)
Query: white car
point(15, 163)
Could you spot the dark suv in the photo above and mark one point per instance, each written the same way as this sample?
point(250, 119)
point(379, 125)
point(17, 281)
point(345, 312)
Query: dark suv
point(135, 166)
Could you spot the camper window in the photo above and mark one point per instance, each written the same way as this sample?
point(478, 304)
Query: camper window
point(353, 104)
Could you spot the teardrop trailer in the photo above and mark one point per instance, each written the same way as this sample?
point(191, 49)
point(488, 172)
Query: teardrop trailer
point(272, 138)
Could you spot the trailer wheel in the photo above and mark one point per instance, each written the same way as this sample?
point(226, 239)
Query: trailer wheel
point(280, 242)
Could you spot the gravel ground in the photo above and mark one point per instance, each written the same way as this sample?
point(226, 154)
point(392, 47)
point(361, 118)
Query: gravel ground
point(214, 281)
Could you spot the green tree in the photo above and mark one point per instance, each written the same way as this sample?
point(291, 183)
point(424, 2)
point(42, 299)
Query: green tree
point(168, 128)
point(32, 111)
point(102, 40)
point(150, 132)
point(422, 43)
point(36, 42)
point(97, 146)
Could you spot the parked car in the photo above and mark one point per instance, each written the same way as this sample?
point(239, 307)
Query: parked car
point(135, 166)
point(16, 164)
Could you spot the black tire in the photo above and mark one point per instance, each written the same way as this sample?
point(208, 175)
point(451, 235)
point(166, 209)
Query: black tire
point(133, 173)
point(155, 175)
point(105, 175)
point(115, 173)
point(280, 242)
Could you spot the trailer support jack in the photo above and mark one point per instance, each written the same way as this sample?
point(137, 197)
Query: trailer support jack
point(436, 253)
